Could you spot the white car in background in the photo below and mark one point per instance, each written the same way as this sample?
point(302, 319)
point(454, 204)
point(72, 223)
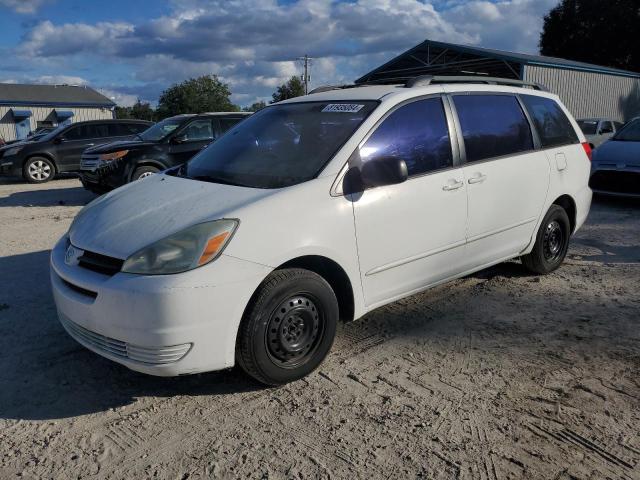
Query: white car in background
point(317, 210)
point(598, 130)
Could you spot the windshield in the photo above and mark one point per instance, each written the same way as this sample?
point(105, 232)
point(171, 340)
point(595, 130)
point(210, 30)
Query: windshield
point(161, 129)
point(50, 135)
point(630, 132)
point(280, 145)
point(588, 127)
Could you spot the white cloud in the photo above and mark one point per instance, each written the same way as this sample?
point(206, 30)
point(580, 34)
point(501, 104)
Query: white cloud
point(23, 6)
point(60, 80)
point(121, 99)
point(253, 44)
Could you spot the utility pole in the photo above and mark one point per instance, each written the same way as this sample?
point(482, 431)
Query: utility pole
point(306, 78)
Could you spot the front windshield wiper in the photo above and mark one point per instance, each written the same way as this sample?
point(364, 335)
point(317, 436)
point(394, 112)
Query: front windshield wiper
point(214, 179)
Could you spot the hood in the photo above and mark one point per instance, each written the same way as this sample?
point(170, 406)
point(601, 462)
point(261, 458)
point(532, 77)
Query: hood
point(617, 152)
point(131, 217)
point(119, 145)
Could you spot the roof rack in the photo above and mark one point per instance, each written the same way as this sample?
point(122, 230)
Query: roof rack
point(328, 88)
point(425, 80)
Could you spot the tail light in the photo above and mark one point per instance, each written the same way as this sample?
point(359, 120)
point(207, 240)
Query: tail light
point(587, 150)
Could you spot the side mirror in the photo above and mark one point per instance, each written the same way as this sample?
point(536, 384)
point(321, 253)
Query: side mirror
point(178, 139)
point(377, 172)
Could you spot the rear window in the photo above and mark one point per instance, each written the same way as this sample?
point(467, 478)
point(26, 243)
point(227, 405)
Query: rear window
point(553, 126)
point(492, 126)
point(588, 127)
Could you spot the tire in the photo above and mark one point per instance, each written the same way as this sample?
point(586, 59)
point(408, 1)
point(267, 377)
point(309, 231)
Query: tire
point(142, 172)
point(552, 242)
point(38, 170)
point(288, 328)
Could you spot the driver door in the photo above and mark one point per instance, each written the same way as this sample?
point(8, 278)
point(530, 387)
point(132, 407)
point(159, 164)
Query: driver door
point(412, 234)
point(190, 140)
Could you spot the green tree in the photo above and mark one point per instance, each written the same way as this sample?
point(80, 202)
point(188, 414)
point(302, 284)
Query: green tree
point(123, 112)
point(196, 95)
point(255, 106)
point(292, 88)
point(594, 31)
point(142, 111)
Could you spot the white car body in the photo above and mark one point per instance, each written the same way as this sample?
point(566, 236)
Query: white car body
point(392, 242)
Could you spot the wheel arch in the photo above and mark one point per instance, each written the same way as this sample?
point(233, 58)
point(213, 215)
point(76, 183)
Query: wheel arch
point(145, 163)
point(43, 155)
point(569, 205)
point(335, 276)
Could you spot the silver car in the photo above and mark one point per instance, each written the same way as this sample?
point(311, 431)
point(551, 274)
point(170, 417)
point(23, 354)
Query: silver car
point(598, 130)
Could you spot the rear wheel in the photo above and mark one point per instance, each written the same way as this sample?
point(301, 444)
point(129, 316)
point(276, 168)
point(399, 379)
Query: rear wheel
point(289, 327)
point(38, 170)
point(552, 242)
point(143, 172)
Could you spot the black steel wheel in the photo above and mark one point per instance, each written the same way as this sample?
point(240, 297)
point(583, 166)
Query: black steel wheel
point(288, 328)
point(552, 242)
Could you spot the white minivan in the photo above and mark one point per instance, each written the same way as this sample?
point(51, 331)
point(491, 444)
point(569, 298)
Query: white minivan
point(318, 210)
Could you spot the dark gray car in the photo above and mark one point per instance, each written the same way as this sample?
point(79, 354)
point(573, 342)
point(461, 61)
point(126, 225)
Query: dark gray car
point(615, 169)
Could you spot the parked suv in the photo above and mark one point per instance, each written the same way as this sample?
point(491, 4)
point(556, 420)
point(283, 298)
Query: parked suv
point(317, 210)
point(170, 142)
point(39, 159)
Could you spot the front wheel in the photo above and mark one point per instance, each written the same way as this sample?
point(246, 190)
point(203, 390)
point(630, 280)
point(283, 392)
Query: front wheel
point(552, 242)
point(38, 170)
point(288, 328)
point(143, 172)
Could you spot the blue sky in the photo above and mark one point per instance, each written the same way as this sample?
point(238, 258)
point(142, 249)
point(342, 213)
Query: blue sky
point(131, 49)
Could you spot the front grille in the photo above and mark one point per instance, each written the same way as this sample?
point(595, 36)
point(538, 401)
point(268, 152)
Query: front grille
point(80, 290)
point(89, 162)
point(124, 350)
point(100, 263)
point(616, 182)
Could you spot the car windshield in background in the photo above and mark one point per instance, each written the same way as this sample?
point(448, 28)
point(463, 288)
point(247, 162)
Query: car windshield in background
point(629, 133)
point(161, 129)
point(281, 145)
point(588, 127)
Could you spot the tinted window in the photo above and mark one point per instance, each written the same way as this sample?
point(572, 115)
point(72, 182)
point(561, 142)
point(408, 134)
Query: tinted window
point(198, 130)
point(416, 133)
point(227, 123)
point(84, 132)
point(588, 127)
point(76, 133)
point(552, 124)
point(280, 145)
point(629, 133)
point(127, 129)
point(492, 126)
point(115, 130)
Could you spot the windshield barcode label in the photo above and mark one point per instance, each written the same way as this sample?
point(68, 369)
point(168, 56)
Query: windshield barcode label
point(342, 108)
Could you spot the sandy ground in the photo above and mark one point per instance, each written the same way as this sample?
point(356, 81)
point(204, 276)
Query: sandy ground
point(498, 375)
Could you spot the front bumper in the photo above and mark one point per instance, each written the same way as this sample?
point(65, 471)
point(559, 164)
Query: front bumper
point(162, 325)
point(10, 166)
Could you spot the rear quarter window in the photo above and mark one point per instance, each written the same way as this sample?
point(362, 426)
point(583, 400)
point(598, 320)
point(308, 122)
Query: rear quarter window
point(552, 125)
point(492, 126)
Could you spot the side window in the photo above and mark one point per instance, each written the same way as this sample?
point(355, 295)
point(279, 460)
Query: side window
point(492, 126)
point(227, 123)
point(136, 127)
point(198, 130)
point(553, 126)
point(76, 133)
point(606, 127)
point(116, 130)
point(416, 133)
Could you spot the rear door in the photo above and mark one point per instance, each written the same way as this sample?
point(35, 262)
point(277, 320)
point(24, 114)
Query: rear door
point(507, 178)
point(412, 234)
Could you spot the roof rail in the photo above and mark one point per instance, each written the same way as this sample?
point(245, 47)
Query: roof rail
point(425, 80)
point(328, 88)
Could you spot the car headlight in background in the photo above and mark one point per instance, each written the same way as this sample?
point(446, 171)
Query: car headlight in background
point(110, 157)
point(188, 249)
point(12, 151)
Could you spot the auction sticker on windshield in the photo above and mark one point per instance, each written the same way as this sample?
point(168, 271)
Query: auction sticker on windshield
point(342, 107)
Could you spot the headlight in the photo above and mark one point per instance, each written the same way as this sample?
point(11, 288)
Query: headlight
point(12, 151)
point(188, 249)
point(109, 157)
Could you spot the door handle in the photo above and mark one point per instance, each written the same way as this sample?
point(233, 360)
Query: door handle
point(477, 178)
point(452, 186)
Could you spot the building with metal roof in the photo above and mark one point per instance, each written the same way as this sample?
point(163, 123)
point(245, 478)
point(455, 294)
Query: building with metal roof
point(26, 108)
point(587, 90)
